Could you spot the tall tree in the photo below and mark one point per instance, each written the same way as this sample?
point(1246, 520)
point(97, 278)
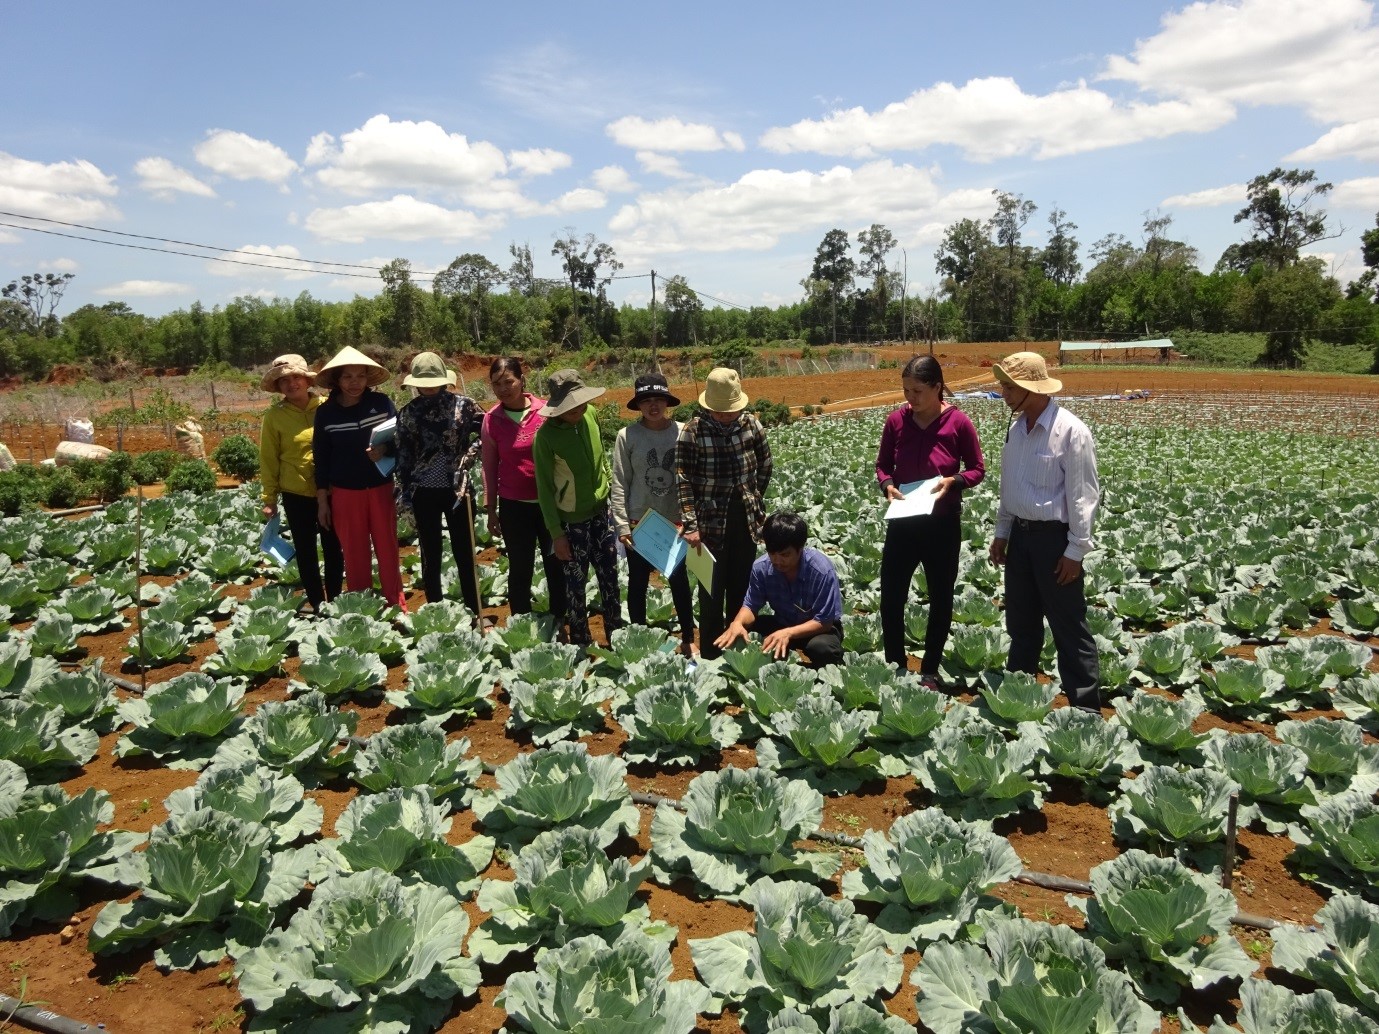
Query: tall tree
point(964, 259)
point(683, 313)
point(1007, 229)
point(39, 295)
point(522, 272)
point(1281, 214)
point(874, 245)
point(835, 267)
point(582, 258)
point(466, 283)
point(405, 301)
point(1059, 257)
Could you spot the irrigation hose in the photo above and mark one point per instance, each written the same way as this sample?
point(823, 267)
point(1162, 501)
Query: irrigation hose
point(14, 1010)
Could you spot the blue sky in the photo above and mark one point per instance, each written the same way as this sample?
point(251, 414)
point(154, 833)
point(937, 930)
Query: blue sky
point(717, 141)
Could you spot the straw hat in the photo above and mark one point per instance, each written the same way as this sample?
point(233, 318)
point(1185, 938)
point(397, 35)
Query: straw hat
point(723, 392)
point(564, 391)
point(350, 356)
point(284, 366)
point(428, 371)
point(1027, 370)
point(651, 386)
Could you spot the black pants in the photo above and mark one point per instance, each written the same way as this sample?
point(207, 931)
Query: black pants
point(734, 556)
point(431, 507)
point(1032, 594)
point(639, 577)
point(525, 532)
point(822, 650)
point(934, 542)
point(300, 511)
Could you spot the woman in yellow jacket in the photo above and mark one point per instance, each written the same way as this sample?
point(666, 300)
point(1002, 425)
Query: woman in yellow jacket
point(286, 466)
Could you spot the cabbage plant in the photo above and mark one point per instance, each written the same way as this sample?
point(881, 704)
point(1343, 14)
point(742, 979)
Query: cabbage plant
point(1079, 745)
point(739, 824)
point(93, 608)
point(338, 672)
point(824, 739)
point(776, 688)
point(49, 845)
point(1237, 687)
point(1341, 956)
point(975, 773)
point(21, 671)
point(442, 689)
point(521, 633)
point(368, 953)
point(849, 1018)
point(1207, 641)
point(213, 889)
point(241, 654)
point(1167, 926)
point(364, 603)
point(85, 697)
point(417, 754)
point(252, 794)
point(1038, 978)
point(440, 616)
point(1161, 725)
point(630, 644)
point(366, 636)
point(305, 736)
point(33, 737)
point(1272, 777)
point(973, 650)
point(588, 986)
point(553, 709)
point(1357, 615)
point(930, 873)
point(674, 723)
point(1012, 697)
point(182, 721)
point(158, 643)
point(1358, 699)
point(743, 660)
point(1173, 809)
point(559, 785)
point(858, 681)
point(1267, 1008)
point(1167, 661)
point(1338, 844)
point(807, 952)
point(53, 634)
point(1254, 615)
point(1338, 758)
point(564, 885)
point(907, 714)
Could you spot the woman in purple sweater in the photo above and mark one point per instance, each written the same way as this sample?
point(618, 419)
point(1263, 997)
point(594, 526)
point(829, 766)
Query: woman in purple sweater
point(925, 438)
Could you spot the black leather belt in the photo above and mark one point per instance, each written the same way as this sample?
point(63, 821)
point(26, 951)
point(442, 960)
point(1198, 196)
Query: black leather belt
point(1021, 522)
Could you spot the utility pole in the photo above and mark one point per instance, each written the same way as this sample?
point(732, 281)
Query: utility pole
point(904, 283)
point(655, 360)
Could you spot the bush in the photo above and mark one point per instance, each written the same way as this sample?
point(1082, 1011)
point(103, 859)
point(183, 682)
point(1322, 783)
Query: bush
point(153, 467)
point(771, 414)
point(113, 478)
point(237, 457)
point(64, 489)
point(16, 492)
point(191, 476)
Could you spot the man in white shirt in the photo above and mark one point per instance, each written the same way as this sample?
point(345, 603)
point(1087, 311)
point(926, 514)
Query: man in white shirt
point(1049, 496)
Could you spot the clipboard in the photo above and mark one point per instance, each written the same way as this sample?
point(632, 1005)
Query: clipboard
point(918, 502)
point(384, 434)
point(272, 542)
point(659, 542)
point(700, 563)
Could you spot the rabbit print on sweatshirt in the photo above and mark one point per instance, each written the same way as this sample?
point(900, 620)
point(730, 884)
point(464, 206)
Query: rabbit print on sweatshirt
point(660, 477)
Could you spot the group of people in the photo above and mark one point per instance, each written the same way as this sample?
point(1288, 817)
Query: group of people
point(551, 491)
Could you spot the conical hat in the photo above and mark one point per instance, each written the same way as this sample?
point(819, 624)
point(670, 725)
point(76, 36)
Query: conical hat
point(350, 356)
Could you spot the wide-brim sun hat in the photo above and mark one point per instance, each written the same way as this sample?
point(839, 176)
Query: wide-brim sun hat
point(350, 356)
point(723, 391)
point(651, 386)
point(566, 390)
point(1027, 370)
point(285, 366)
point(428, 371)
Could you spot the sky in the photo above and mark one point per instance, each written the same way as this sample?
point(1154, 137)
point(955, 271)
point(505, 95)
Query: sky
point(314, 142)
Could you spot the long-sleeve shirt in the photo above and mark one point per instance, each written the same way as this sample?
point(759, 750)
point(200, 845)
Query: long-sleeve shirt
point(715, 461)
point(1048, 473)
point(571, 471)
point(433, 434)
point(509, 472)
point(948, 447)
point(814, 594)
point(286, 461)
point(644, 475)
point(341, 441)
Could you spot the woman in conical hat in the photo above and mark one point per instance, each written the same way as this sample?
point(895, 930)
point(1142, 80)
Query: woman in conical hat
point(354, 497)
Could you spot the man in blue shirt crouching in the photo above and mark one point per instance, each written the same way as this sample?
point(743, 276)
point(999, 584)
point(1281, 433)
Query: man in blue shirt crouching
point(801, 586)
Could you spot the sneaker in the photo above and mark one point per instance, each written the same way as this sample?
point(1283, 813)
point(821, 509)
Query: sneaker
point(930, 682)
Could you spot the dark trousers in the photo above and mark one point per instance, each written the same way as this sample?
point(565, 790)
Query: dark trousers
point(934, 542)
point(1032, 595)
point(525, 532)
point(593, 543)
point(431, 507)
point(300, 511)
point(639, 577)
point(822, 650)
point(719, 603)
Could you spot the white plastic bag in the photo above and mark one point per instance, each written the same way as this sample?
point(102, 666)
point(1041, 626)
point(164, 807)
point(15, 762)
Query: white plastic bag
point(78, 429)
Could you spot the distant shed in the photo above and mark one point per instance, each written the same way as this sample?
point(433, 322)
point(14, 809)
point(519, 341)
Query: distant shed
point(1158, 350)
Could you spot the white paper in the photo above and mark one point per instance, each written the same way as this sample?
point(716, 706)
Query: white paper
point(918, 502)
point(700, 563)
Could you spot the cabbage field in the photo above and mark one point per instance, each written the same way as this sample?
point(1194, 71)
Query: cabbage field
point(239, 817)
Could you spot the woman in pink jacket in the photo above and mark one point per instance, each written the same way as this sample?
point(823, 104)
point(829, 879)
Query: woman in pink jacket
point(510, 487)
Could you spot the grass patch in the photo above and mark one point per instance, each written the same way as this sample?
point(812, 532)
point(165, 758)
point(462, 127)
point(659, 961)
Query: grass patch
point(1240, 350)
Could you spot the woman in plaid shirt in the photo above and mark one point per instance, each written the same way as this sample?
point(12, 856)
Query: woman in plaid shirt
point(722, 468)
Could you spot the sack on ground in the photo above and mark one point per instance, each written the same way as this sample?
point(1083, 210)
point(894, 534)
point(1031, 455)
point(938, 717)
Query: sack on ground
point(69, 452)
point(78, 429)
point(190, 442)
point(6, 458)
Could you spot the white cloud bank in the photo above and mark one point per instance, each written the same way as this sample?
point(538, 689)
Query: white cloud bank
point(1230, 194)
point(242, 157)
point(400, 218)
point(670, 134)
point(143, 289)
point(164, 180)
point(1352, 140)
point(415, 156)
point(71, 191)
point(273, 256)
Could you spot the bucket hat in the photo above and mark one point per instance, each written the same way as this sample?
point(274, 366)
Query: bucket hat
point(1027, 370)
point(723, 391)
point(350, 356)
point(284, 366)
point(564, 391)
point(428, 371)
point(651, 386)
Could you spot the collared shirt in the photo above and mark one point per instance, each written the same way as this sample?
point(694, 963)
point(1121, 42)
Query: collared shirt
point(433, 434)
point(910, 453)
point(1048, 473)
point(715, 461)
point(814, 594)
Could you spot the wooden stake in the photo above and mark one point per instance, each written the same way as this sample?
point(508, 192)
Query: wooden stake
point(139, 588)
point(1228, 863)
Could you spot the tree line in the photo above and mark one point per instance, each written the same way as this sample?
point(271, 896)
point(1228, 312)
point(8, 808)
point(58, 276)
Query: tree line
point(995, 286)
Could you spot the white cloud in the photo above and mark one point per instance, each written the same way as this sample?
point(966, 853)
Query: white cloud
point(242, 157)
point(161, 178)
point(663, 165)
point(61, 265)
point(613, 179)
point(756, 211)
point(416, 156)
point(70, 191)
point(1314, 54)
point(278, 256)
point(670, 134)
point(1211, 197)
point(401, 218)
point(539, 161)
point(581, 199)
point(321, 149)
point(1356, 193)
point(994, 118)
point(8, 237)
point(1352, 140)
point(143, 289)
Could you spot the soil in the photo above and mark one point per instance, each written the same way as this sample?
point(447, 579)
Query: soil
point(126, 993)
